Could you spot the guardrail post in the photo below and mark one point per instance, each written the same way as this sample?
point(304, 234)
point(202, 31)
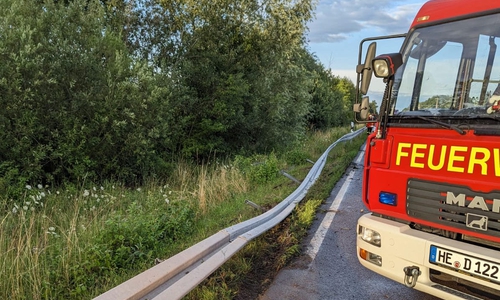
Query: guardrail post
point(290, 177)
point(254, 205)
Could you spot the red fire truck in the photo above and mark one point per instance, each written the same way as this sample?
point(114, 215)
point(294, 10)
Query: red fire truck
point(432, 166)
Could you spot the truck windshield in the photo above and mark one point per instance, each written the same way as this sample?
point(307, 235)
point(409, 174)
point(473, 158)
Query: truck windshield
point(451, 71)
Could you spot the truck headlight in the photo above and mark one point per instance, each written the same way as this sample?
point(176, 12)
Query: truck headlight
point(370, 236)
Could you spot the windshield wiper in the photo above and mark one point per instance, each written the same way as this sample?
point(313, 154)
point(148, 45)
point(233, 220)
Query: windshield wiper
point(445, 125)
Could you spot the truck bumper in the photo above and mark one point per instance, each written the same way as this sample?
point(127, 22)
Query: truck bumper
point(402, 247)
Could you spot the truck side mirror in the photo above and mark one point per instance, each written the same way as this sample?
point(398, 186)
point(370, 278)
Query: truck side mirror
point(366, 69)
point(362, 108)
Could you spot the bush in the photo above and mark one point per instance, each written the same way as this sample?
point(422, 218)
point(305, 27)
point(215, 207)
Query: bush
point(136, 235)
point(258, 170)
point(296, 156)
point(87, 96)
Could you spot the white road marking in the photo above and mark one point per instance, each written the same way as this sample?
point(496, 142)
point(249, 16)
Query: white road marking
point(361, 155)
point(319, 235)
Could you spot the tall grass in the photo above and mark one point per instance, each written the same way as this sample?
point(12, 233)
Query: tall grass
point(77, 242)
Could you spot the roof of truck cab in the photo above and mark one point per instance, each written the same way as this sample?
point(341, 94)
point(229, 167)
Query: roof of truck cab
point(436, 10)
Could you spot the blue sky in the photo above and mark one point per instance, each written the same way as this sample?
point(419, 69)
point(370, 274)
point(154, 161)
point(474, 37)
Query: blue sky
point(340, 25)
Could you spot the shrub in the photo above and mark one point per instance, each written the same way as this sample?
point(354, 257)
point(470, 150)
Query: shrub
point(258, 169)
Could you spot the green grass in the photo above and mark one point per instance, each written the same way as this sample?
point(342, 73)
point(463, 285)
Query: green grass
point(80, 241)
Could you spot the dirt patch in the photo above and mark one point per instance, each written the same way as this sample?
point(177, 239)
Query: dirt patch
point(268, 263)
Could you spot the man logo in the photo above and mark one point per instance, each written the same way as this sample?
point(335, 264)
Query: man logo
point(477, 222)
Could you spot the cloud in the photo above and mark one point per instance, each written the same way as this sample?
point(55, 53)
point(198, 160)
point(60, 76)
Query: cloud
point(336, 20)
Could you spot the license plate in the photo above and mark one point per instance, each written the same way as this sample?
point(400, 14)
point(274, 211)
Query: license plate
point(465, 263)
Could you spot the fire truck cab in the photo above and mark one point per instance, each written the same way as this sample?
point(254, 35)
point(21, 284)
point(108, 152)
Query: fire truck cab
point(432, 166)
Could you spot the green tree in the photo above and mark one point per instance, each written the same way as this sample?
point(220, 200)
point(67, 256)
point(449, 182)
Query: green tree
point(103, 89)
point(331, 96)
point(238, 63)
point(75, 105)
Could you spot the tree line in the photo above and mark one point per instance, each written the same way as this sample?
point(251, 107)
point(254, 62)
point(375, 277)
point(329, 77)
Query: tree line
point(120, 89)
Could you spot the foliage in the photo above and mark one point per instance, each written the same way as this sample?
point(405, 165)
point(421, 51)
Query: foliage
point(119, 89)
point(74, 103)
point(76, 243)
point(332, 97)
point(296, 156)
point(240, 63)
point(130, 237)
point(373, 107)
point(438, 101)
point(127, 240)
point(258, 169)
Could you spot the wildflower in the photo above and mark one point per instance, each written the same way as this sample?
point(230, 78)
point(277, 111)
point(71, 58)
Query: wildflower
point(94, 188)
point(28, 187)
point(167, 201)
point(102, 188)
point(52, 231)
point(42, 194)
point(138, 189)
point(40, 186)
point(14, 210)
point(86, 193)
point(25, 207)
point(32, 208)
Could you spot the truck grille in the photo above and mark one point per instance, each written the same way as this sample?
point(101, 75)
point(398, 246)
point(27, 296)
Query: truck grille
point(454, 206)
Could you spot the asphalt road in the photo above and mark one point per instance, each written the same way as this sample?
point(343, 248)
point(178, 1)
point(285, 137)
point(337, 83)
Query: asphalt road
point(328, 267)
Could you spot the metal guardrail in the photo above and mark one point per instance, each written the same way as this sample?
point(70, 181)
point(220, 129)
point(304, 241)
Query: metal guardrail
point(178, 275)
